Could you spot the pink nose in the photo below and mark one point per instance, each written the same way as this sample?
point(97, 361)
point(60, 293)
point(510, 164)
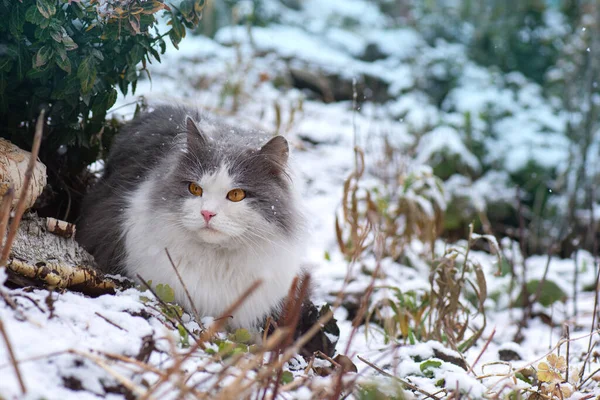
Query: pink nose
point(207, 215)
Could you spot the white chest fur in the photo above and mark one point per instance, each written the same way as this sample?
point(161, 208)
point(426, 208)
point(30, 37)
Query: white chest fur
point(215, 276)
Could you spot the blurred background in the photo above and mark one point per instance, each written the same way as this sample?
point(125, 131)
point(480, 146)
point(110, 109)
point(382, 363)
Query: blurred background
point(499, 98)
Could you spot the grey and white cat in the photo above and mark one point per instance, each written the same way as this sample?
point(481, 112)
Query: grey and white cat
point(219, 198)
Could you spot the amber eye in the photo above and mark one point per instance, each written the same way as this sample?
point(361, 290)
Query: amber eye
point(195, 189)
point(236, 195)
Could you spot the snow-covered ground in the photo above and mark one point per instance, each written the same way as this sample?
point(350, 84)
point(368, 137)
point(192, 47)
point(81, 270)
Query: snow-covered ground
point(67, 344)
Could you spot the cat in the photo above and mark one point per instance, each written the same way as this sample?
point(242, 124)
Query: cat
point(219, 198)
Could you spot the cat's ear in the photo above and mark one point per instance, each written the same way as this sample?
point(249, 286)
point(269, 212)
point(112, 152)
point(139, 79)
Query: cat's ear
point(194, 135)
point(277, 149)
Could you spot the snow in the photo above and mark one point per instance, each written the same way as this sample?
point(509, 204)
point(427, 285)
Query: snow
point(445, 140)
point(63, 340)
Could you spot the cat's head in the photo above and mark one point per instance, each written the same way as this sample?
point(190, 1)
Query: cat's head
point(229, 192)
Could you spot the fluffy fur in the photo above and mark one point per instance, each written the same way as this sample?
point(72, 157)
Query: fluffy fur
point(142, 205)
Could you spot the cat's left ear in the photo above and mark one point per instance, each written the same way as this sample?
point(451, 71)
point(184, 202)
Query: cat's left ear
point(277, 149)
point(194, 135)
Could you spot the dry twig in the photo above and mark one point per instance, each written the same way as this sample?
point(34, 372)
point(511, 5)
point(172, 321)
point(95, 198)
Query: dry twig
point(404, 382)
point(187, 293)
point(20, 209)
point(12, 357)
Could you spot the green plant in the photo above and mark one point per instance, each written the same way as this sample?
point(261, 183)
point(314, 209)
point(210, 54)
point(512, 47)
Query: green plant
point(68, 57)
point(408, 315)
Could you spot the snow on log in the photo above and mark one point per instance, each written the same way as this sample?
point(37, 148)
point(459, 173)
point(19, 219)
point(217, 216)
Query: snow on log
point(13, 165)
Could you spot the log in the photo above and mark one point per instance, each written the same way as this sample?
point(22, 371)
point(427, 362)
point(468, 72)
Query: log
point(40, 258)
point(13, 165)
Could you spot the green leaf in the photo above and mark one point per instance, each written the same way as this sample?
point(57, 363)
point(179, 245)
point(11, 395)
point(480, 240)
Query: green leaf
point(69, 43)
point(33, 15)
point(38, 73)
point(178, 25)
point(184, 337)
point(56, 35)
point(549, 294)
point(165, 293)
point(186, 7)
point(286, 377)
point(154, 53)
point(242, 336)
point(225, 347)
point(411, 337)
point(134, 22)
point(198, 6)
point(522, 377)
point(5, 64)
point(43, 56)
point(16, 21)
point(77, 9)
point(163, 46)
point(111, 98)
point(59, 49)
point(426, 367)
point(151, 7)
point(46, 7)
point(63, 63)
point(87, 74)
point(134, 56)
point(371, 392)
point(98, 54)
point(177, 31)
point(144, 299)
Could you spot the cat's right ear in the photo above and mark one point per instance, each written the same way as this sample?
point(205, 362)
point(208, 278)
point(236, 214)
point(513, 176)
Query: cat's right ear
point(195, 137)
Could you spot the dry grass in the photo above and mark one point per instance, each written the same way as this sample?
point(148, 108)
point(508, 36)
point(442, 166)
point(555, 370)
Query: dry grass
point(404, 208)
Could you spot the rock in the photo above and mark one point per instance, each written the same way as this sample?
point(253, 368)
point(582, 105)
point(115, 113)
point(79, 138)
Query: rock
point(372, 53)
point(334, 87)
point(508, 355)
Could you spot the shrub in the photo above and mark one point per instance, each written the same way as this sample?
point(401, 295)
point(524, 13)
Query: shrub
point(524, 36)
point(69, 56)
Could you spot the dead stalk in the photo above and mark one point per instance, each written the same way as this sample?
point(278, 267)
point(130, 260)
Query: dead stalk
point(134, 361)
point(485, 346)
point(110, 322)
point(568, 335)
point(7, 200)
point(234, 389)
point(12, 357)
point(290, 352)
point(20, 209)
point(291, 316)
point(187, 293)
point(100, 362)
point(594, 318)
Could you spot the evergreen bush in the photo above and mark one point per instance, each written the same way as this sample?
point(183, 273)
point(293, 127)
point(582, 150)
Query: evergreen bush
point(69, 57)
